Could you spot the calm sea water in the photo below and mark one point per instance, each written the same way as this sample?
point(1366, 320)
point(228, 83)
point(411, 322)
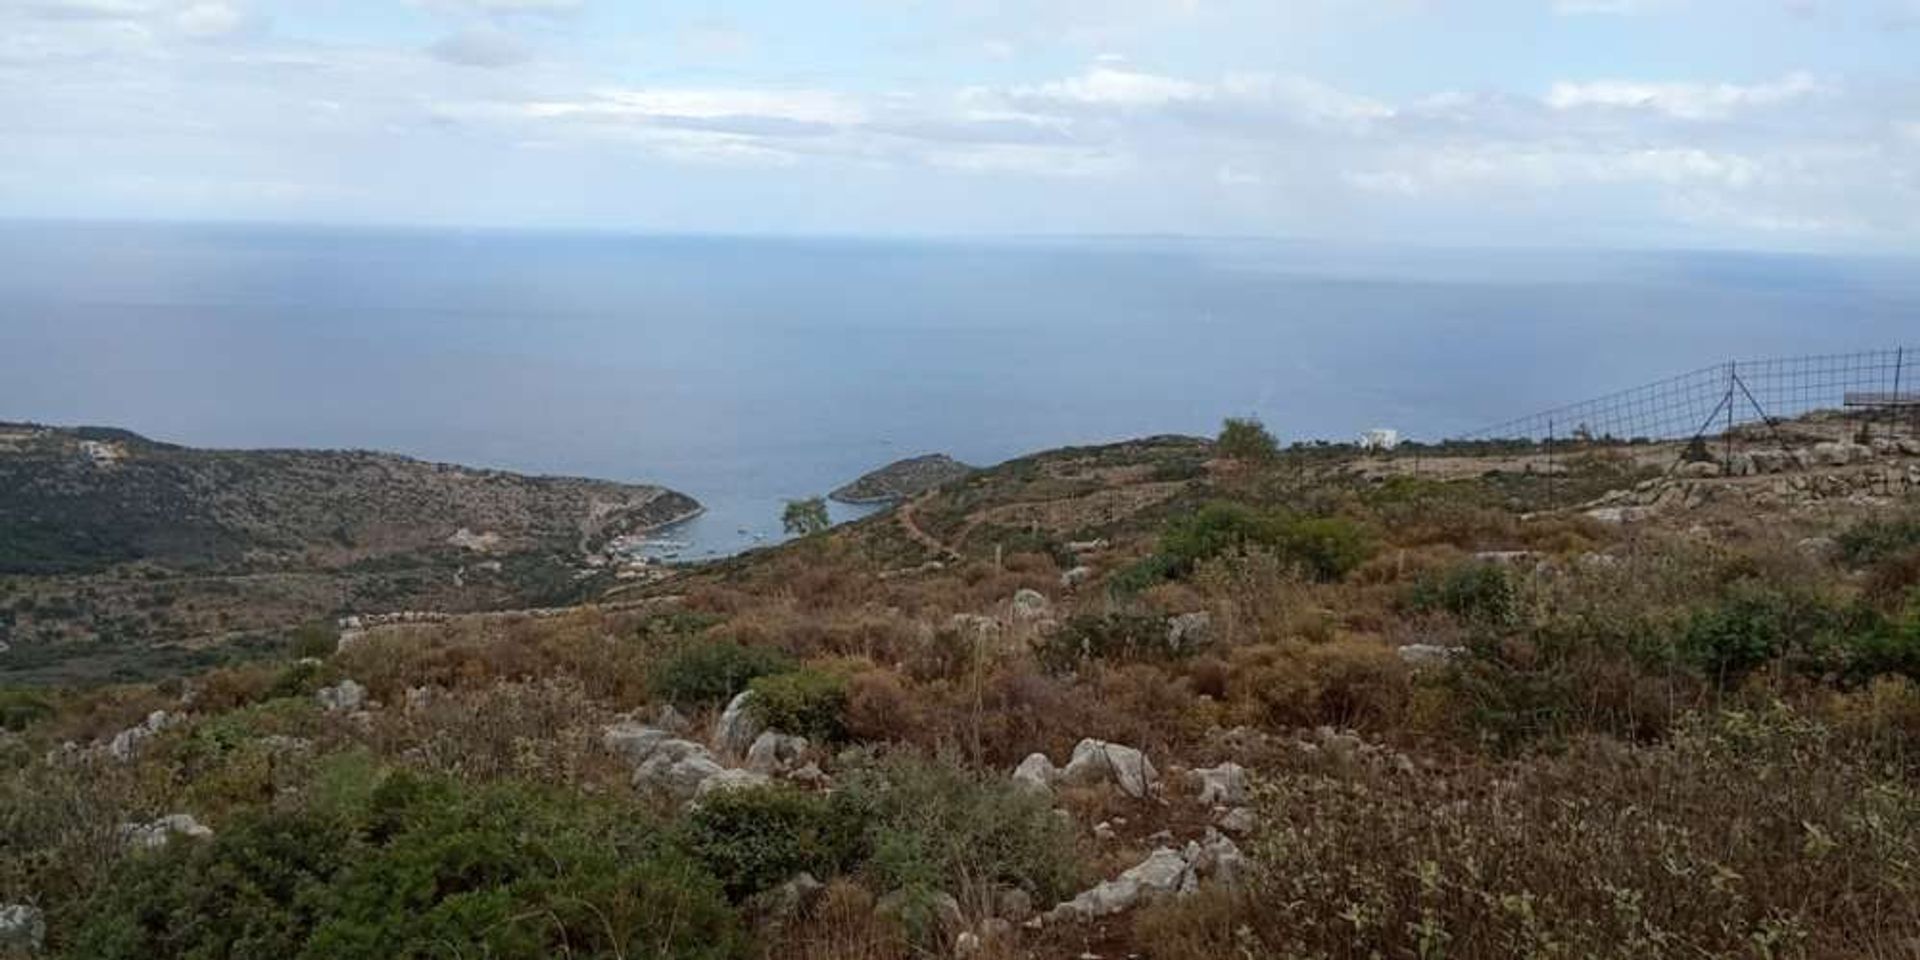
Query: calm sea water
point(746, 371)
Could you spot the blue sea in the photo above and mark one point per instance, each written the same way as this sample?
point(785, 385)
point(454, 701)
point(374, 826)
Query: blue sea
point(745, 371)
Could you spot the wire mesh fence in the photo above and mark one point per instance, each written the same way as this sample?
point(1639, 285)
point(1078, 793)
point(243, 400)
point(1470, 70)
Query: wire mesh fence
point(1875, 389)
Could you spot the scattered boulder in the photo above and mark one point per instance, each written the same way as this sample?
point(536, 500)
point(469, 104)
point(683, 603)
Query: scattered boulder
point(1841, 454)
point(921, 908)
point(632, 741)
point(1817, 546)
point(775, 752)
point(672, 720)
point(727, 780)
point(736, 729)
point(157, 834)
point(975, 626)
point(1699, 469)
point(1036, 773)
point(786, 901)
point(1076, 576)
point(1427, 654)
point(967, 944)
point(1216, 858)
point(127, 743)
point(1189, 631)
point(1224, 785)
point(1160, 874)
point(1237, 820)
point(1095, 761)
point(1164, 872)
point(1030, 605)
point(343, 697)
point(23, 929)
point(1013, 904)
point(420, 698)
point(1339, 742)
point(676, 768)
point(1086, 546)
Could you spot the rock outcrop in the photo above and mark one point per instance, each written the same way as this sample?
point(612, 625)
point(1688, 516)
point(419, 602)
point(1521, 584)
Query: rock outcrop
point(23, 929)
point(1096, 761)
point(159, 833)
point(127, 743)
point(343, 697)
point(1165, 872)
point(1224, 785)
point(736, 729)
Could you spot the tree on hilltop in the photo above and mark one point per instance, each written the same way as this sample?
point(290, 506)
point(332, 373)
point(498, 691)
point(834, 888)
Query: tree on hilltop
point(1246, 439)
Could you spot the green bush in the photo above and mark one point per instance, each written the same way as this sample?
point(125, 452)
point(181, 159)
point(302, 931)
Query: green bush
point(1872, 541)
point(318, 639)
point(1750, 627)
point(20, 709)
point(1324, 548)
point(1475, 592)
point(1328, 548)
point(1246, 438)
point(808, 703)
point(757, 839)
point(423, 869)
point(712, 671)
point(1114, 637)
point(935, 826)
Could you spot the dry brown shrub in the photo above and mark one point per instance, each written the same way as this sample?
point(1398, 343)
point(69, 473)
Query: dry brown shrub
point(881, 707)
point(475, 653)
point(1348, 683)
point(841, 926)
point(1261, 599)
point(232, 687)
point(100, 713)
point(1885, 714)
point(1172, 598)
point(544, 730)
point(1209, 925)
point(1749, 835)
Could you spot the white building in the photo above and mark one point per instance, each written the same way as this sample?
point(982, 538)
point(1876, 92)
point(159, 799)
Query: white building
point(1380, 438)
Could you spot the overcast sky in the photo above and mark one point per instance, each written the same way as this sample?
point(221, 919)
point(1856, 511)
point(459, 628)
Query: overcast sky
point(1739, 123)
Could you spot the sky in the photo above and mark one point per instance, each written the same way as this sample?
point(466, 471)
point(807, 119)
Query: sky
point(1753, 124)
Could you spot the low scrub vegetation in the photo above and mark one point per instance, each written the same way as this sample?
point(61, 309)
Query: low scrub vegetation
point(1470, 731)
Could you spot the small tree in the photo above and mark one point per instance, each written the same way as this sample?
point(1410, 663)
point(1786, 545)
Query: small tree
point(804, 518)
point(1247, 439)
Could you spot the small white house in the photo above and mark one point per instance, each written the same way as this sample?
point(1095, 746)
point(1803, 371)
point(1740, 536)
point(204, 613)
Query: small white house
point(1380, 438)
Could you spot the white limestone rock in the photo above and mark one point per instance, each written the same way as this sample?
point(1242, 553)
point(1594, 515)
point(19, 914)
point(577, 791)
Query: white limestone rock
point(343, 697)
point(1036, 774)
point(23, 929)
point(1030, 605)
point(1096, 761)
point(734, 732)
point(1224, 785)
point(157, 834)
point(775, 752)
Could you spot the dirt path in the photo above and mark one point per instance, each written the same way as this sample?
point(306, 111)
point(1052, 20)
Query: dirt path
point(911, 524)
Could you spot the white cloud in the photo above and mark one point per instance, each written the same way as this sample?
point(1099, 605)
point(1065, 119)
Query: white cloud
point(483, 46)
point(210, 19)
point(671, 103)
point(1686, 101)
point(1117, 87)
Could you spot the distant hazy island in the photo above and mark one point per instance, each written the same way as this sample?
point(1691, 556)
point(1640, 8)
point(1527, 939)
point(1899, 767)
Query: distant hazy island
point(903, 479)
